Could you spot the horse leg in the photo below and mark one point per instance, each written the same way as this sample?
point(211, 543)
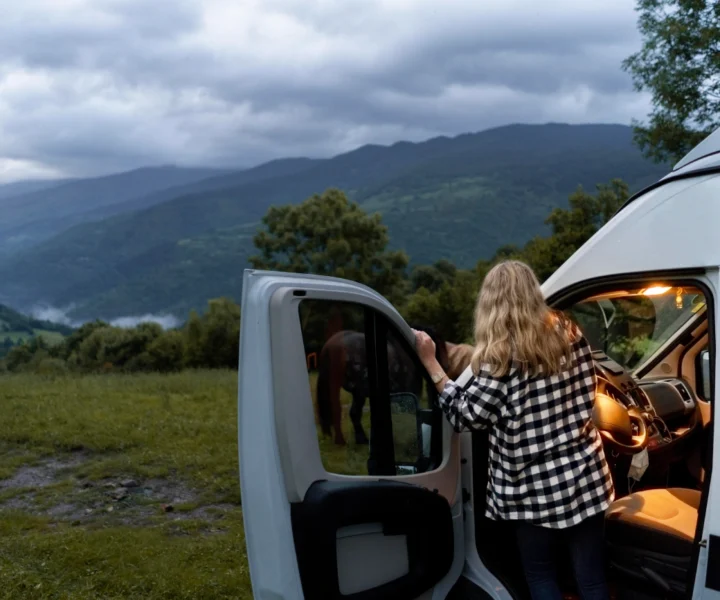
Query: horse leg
point(356, 412)
point(337, 419)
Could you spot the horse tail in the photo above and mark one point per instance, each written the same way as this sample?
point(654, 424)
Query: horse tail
point(322, 394)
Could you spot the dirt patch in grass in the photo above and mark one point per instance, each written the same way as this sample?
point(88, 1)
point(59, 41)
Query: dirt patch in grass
point(50, 487)
point(43, 473)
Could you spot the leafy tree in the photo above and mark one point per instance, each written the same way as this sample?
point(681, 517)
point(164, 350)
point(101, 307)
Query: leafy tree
point(72, 343)
point(432, 277)
point(222, 334)
point(167, 352)
point(329, 235)
point(106, 347)
point(18, 357)
point(572, 227)
point(163, 353)
point(448, 309)
point(213, 340)
point(679, 63)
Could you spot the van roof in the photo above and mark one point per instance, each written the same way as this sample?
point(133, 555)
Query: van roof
point(710, 145)
point(703, 159)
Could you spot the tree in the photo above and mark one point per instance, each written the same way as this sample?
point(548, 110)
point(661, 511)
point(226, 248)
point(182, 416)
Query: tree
point(679, 63)
point(212, 340)
point(71, 344)
point(432, 277)
point(329, 235)
point(167, 352)
point(449, 309)
point(221, 337)
point(573, 226)
point(18, 357)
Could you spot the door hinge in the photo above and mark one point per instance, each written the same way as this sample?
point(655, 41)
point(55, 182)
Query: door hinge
point(712, 572)
point(465, 496)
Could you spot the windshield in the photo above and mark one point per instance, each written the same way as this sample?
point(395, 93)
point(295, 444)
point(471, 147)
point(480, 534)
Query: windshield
point(630, 325)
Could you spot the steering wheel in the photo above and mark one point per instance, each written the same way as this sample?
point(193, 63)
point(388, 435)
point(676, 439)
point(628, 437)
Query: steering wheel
point(619, 422)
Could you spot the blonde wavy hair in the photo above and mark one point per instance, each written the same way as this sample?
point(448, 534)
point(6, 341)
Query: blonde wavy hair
point(514, 327)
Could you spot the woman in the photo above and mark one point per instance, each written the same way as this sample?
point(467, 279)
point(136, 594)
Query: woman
point(534, 388)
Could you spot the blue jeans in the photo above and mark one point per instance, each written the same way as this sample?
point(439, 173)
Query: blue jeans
point(587, 548)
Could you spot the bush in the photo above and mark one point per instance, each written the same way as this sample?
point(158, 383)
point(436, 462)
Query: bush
point(18, 357)
point(210, 340)
point(213, 340)
point(50, 366)
point(167, 352)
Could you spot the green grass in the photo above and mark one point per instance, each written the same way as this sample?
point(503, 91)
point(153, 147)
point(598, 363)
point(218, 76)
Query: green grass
point(352, 458)
point(41, 560)
point(179, 430)
point(143, 425)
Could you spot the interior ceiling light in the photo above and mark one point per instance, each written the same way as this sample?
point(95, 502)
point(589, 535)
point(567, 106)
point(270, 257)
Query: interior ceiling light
point(656, 290)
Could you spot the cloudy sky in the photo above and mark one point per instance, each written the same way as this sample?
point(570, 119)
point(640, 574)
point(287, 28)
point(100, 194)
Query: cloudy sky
point(93, 86)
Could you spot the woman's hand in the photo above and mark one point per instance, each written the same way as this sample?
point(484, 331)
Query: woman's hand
point(426, 351)
point(425, 347)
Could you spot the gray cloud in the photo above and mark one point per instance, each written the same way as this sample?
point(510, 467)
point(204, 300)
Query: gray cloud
point(90, 86)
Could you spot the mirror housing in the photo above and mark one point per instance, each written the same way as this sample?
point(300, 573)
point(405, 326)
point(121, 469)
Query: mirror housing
point(408, 429)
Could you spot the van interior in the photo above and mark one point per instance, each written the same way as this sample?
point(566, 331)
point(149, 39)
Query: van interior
point(653, 408)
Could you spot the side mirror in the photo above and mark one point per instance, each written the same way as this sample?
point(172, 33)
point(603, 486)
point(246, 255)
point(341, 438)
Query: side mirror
point(703, 375)
point(408, 432)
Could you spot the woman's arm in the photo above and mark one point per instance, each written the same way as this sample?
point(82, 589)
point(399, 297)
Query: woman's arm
point(433, 367)
point(478, 407)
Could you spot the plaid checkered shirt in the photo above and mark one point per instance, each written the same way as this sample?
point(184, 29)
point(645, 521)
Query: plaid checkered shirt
point(547, 465)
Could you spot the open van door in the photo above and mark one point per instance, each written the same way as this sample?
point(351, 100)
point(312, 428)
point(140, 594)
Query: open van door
point(350, 474)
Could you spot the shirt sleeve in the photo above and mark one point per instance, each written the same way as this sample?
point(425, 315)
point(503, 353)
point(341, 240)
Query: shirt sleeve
point(477, 407)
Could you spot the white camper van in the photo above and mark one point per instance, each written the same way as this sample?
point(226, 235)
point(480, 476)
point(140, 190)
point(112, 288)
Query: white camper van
point(392, 505)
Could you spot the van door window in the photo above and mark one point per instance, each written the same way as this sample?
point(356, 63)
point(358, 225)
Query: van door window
point(372, 398)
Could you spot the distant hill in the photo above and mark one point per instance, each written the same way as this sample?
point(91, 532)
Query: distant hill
point(7, 190)
point(275, 168)
point(35, 212)
point(457, 198)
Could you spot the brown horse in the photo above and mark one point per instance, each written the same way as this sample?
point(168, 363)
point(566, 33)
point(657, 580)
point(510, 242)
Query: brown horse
point(459, 356)
point(342, 363)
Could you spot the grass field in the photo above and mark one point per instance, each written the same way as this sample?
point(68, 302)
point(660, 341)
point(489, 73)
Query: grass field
point(91, 466)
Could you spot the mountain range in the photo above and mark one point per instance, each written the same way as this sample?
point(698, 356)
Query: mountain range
point(41, 211)
point(166, 239)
